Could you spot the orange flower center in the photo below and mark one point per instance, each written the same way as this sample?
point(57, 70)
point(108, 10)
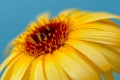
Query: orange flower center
point(47, 38)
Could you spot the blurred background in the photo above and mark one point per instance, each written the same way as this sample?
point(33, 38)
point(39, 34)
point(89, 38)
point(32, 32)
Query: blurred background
point(15, 15)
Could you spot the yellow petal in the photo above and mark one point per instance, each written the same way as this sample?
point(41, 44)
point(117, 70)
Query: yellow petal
point(66, 12)
point(43, 18)
point(90, 68)
point(96, 35)
point(109, 75)
point(36, 70)
point(20, 67)
point(116, 49)
point(108, 21)
point(100, 25)
point(27, 74)
point(62, 73)
point(7, 61)
point(72, 13)
point(72, 68)
point(95, 17)
point(51, 70)
point(111, 56)
point(92, 54)
point(8, 71)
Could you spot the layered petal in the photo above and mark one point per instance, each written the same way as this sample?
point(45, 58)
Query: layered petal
point(111, 56)
point(72, 68)
point(103, 25)
point(115, 49)
point(72, 13)
point(36, 70)
point(52, 71)
point(8, 71)
point(95, 56)
point(94, 17)
point(18, 68)
point(109, 75)
point(21, 66)
point(97, 35)
point(7, 61)
point(84, 62)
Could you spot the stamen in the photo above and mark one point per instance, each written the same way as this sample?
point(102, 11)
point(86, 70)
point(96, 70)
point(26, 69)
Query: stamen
point(47, 38)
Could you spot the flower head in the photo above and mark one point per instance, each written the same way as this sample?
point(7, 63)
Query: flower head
point(76, 45)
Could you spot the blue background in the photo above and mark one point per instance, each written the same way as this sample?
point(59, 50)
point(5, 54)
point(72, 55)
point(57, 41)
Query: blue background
point(15, 15)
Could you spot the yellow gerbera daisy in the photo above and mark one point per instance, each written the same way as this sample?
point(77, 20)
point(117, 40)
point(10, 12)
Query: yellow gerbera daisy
point(76, 45)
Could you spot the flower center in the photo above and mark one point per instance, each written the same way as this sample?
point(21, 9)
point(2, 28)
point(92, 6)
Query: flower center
point(47, 38)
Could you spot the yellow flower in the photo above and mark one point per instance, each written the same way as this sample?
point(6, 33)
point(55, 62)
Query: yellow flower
point(76, 45)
